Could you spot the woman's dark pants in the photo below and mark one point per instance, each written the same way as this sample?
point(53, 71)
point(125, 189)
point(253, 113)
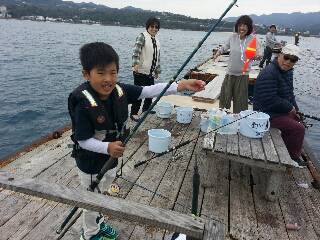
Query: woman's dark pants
point(142, 80)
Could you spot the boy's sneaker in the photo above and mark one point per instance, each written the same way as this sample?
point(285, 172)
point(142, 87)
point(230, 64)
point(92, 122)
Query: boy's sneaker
point(106, 232)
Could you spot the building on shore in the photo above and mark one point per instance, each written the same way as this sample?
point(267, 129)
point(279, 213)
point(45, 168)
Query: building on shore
point(4, 12)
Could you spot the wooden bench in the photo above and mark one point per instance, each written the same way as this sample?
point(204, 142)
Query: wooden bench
point(192, 226)
point(268, 153)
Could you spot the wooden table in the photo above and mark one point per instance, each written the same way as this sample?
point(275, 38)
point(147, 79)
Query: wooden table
point(267, 153)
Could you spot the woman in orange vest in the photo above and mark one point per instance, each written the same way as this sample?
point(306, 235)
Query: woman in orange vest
point(235, 84)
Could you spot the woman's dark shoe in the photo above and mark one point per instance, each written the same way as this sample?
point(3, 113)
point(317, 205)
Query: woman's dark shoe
point(134, 118)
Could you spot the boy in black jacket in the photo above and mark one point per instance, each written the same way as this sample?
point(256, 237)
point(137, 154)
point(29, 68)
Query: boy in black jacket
point(99, 110)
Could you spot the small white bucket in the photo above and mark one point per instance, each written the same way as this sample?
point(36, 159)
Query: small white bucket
point(184, 114)
point(164, 109)
point(255, 125)
point(159, 140)
point(229, 127)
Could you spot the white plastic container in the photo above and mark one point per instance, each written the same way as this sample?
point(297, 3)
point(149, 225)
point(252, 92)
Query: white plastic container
point(255, 125)
point(215, 119)
point(159, 140)
point(229, 127)
point(164, 109)
point(184, 114)
point(204, 122)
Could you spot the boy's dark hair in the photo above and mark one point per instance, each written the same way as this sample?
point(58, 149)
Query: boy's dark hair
point(246, 20)
point(152, 21)
point(97, 54)
point(273, 26)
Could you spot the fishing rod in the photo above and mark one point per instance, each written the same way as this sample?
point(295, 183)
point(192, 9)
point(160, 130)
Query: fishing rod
point(188, 141)
point(195, 195)
point(107, 166)
point(309, 116)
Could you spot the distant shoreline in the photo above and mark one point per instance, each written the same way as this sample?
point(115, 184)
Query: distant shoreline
point(133, 26)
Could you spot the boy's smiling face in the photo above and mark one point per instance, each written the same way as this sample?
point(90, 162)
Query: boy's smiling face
point(102, 79)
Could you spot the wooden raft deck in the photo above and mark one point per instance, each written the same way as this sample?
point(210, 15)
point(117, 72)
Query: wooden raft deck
point(233, 198)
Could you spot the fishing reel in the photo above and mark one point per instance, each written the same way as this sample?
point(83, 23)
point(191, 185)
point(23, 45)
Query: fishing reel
point(303, 120)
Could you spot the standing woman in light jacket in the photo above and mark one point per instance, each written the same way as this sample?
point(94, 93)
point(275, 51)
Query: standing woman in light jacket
point(146, 62)
point(235, 84)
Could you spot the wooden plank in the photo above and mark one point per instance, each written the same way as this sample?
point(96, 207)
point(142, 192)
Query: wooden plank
point(281, 149)
point(183, 202)
point(10, 206)
point(129, 172)
point(41, 158)
point(269, 149)
point(26, 214)
point(152, 177)
point(310, 203)
point(248, 161)
point(242, 213)
point(187, 101)
point(208, 141)
point(46, 228)
point(213, 230)
point(270, 224)
point(104, 204)
point(274, 181)
point(216, 194)
point(174, 178)
point(220, 143)
point(220, 146)
point(233, 144)
point(257, 150)
point(294, 210)
point(244, 146)
point(212, 90)
point(34, 219)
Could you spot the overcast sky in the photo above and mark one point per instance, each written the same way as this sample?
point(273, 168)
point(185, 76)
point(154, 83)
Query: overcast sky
point(214, 8)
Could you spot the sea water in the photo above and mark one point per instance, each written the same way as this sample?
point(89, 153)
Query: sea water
point(39, 67)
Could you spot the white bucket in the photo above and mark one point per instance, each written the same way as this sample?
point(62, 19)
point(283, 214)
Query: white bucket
point(164, 109)
point(255, 125)
point(184, 114)
point(159, 140)
point(229, 127)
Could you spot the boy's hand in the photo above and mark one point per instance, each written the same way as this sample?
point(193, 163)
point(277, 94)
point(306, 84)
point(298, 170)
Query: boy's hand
point(191, 84)
point(115, 149)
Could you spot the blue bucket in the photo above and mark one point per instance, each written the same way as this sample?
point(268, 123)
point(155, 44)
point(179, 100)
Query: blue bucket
point(184, 114)
point(159, 140)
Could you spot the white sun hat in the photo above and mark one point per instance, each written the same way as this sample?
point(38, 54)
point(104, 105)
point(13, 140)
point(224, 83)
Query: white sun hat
point(291, 49)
